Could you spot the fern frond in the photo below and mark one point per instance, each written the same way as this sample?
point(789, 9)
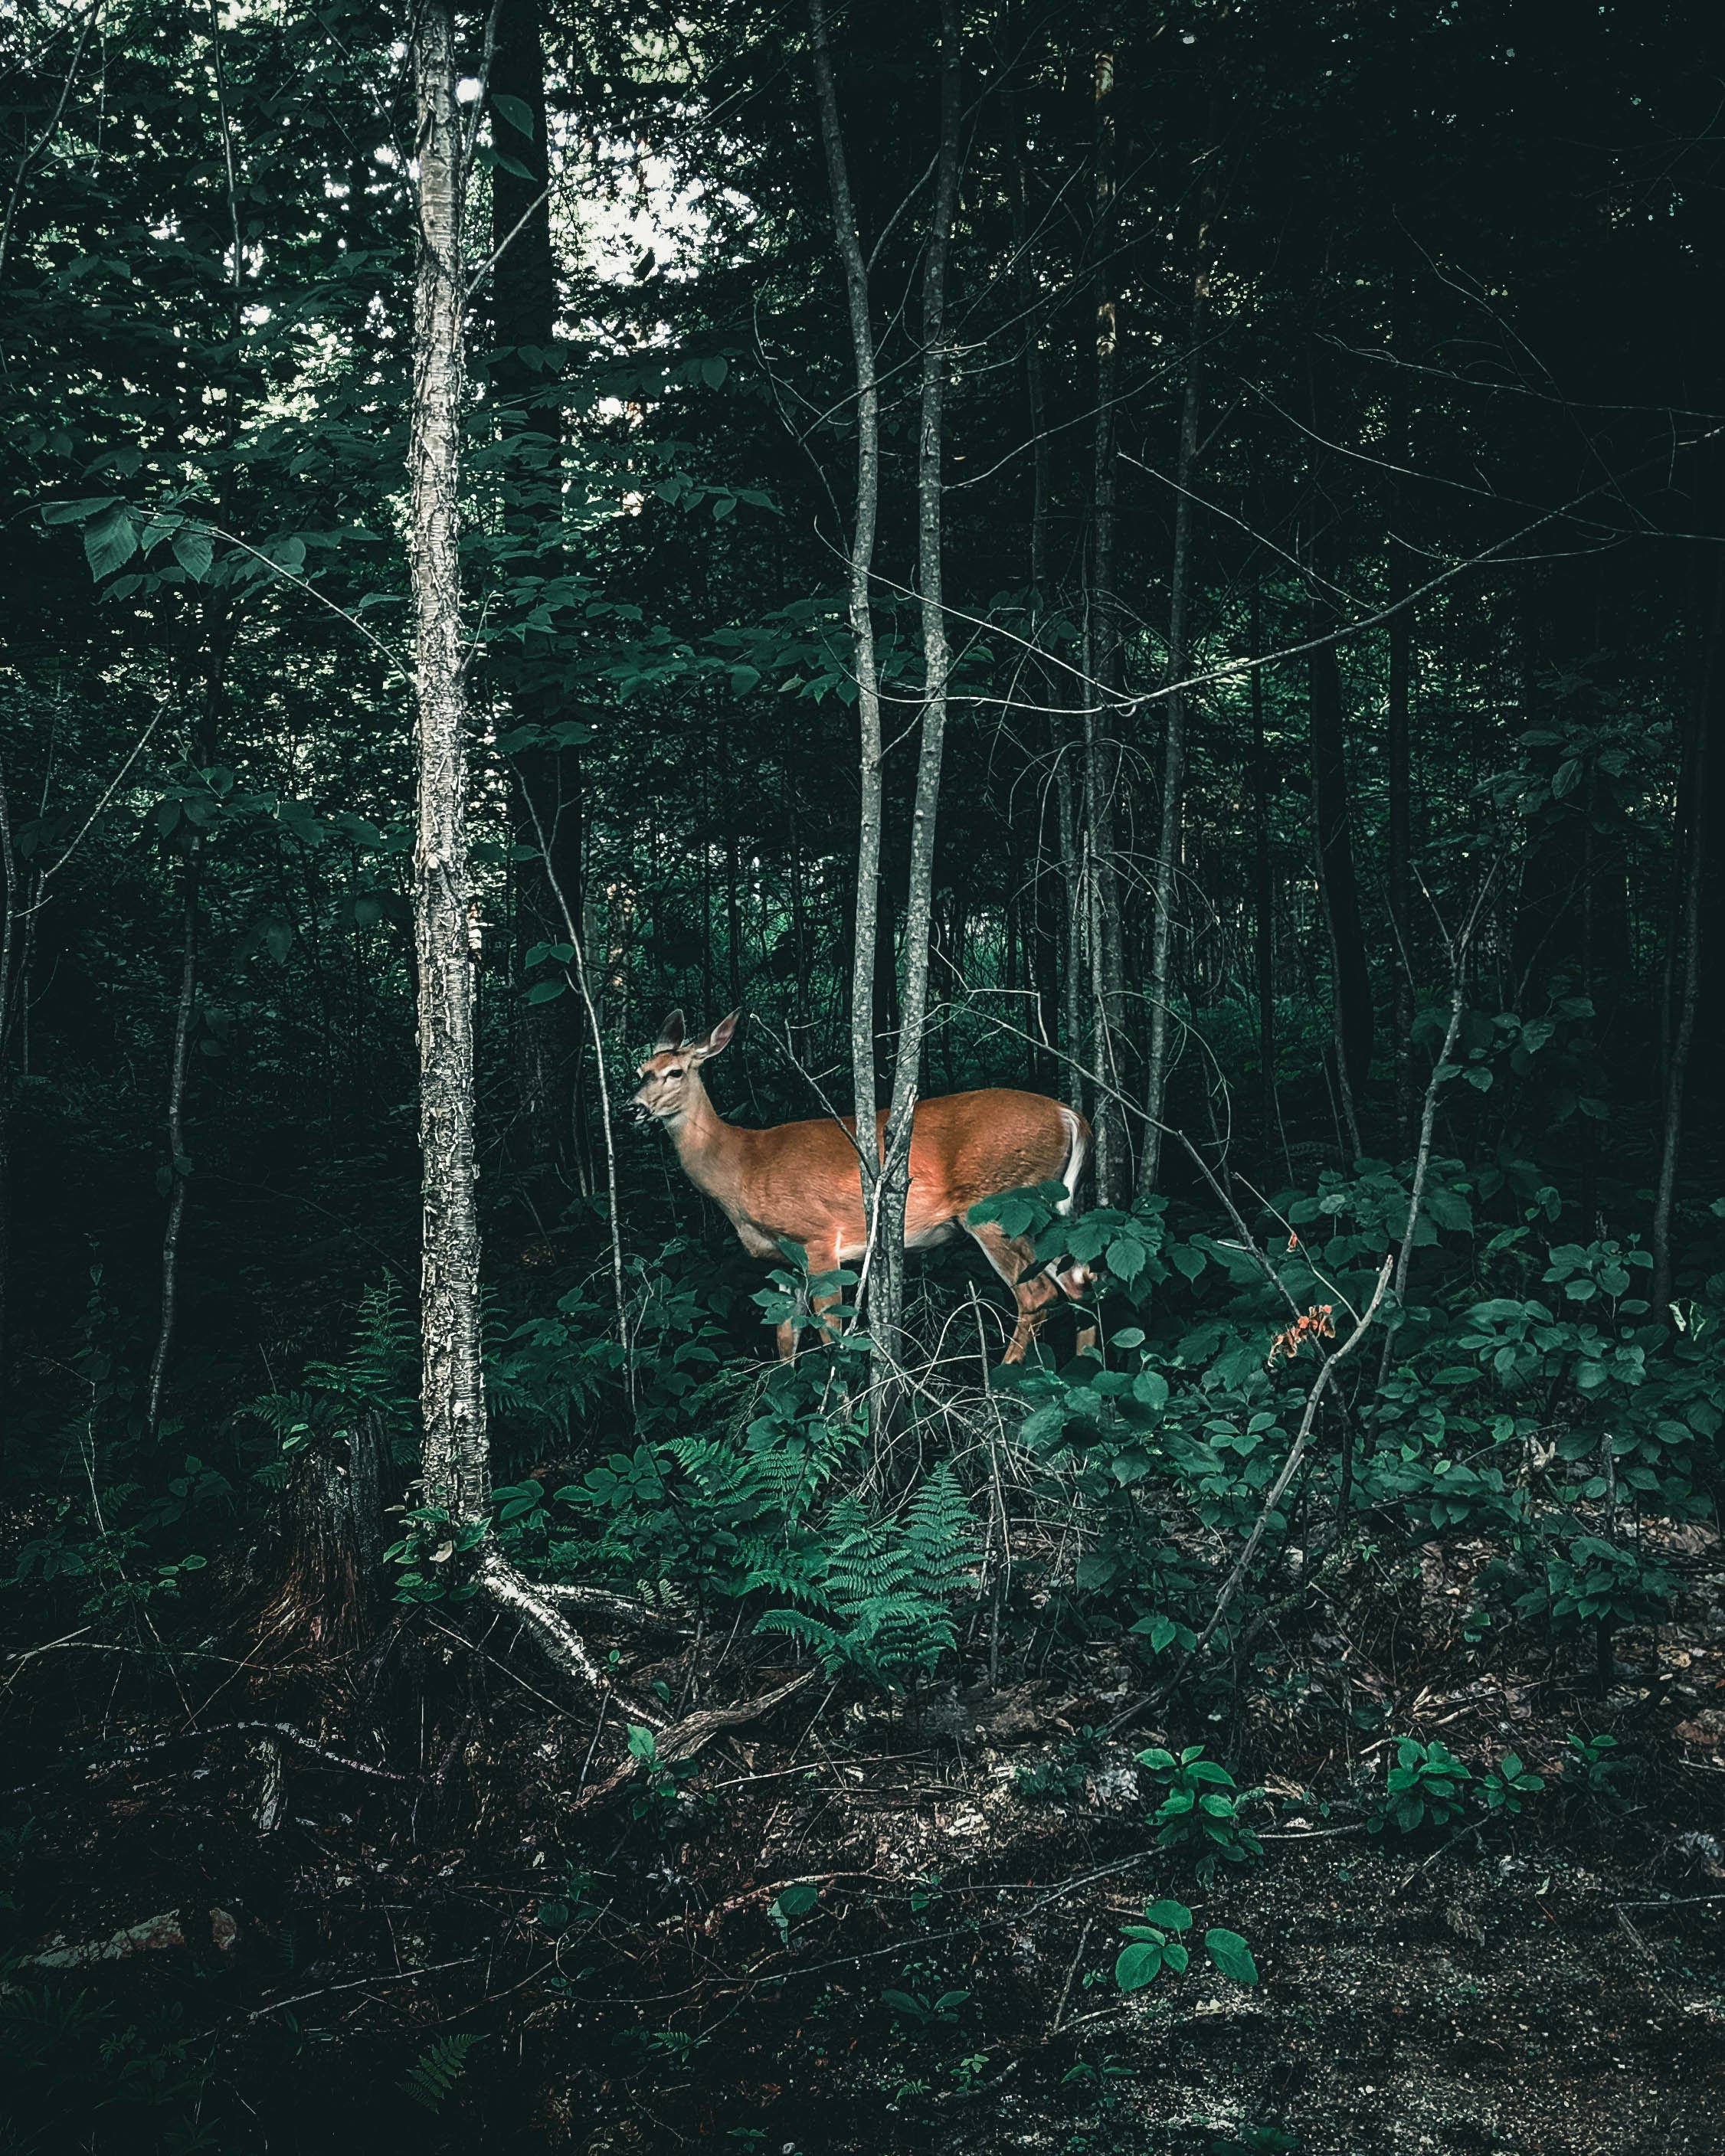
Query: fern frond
point(939, 1534)
point(435, 2072)
point(800, 1625)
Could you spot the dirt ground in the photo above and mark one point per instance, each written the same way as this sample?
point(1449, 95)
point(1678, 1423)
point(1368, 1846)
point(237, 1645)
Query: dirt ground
point(256, 1912)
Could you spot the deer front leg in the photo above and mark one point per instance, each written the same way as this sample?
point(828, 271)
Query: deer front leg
point(825, 1261)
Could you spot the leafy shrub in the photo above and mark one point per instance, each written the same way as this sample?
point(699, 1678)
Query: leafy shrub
point(925, 2011)
point(1425, 1787)
point(1199, 1812)
point(1591, 1769)
point(1159, 1943)
point(1592, 1582)
point(1504, 1786)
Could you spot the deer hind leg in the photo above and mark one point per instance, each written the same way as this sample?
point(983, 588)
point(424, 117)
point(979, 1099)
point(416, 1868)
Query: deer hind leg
point(1016, 1261)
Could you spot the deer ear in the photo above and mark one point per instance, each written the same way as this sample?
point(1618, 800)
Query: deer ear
point(671, 1034)
point(720, 1037)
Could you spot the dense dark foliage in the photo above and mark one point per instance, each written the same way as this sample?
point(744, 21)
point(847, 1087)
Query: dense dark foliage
point(1334, 564)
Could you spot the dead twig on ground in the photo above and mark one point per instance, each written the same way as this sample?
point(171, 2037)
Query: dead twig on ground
point(683, 1740)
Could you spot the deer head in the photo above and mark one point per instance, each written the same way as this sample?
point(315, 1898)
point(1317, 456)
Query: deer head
point(668, 1076)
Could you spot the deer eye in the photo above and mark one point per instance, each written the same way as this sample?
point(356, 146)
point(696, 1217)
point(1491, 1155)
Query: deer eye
point(673, 1074)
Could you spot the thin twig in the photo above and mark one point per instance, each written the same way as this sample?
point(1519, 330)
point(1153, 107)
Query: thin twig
point(361, 1984)
point(1273, 1497)
point(598, 1049)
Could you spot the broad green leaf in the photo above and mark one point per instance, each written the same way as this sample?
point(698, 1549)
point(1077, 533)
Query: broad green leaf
point(192, 551)
point(1231, 1954)
point(1137, 1965)
point(516, 111)
point(108, 541)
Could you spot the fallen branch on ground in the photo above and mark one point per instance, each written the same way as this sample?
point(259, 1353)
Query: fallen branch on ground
point(683, 1739)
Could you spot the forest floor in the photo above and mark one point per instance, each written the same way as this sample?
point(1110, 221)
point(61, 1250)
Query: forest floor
point(255, 1904)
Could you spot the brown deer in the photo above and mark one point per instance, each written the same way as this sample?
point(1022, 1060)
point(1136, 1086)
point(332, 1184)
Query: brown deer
point(802, 1181)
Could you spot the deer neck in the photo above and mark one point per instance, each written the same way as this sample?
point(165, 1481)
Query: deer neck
point(706, 1145)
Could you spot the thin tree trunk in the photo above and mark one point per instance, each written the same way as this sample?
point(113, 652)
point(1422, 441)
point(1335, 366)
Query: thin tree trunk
point(867, 900)
point(1047, 961)
point(456, 1463)
point(1263, 884)
point(1077, 905)
point(1173, 757)
point(1711, 694)
point(1400, 775)
point(1351, 989)
point(936, 664)
point(1024, 296)
point(733, 908)
point(179, 1165)
point(14, 950)
point(1101, 654)
point(1338, 885)
point(545, 790)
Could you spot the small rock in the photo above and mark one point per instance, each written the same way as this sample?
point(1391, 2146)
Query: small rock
point(1115, 1786)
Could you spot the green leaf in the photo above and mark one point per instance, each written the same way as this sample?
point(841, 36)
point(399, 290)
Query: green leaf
point(1169, 1916)
point(544, 992)
point(77, 512)
point(108, 541)
point(1231, 1954)
point(516, 111)
point(792, 1902)
point(192, 551)
point(1137, 1965)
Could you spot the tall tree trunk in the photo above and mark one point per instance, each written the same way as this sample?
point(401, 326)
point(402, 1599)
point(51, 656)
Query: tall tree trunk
point(179, 1164)
point(937, 666)
point(456, 1463)
point(1399, 776)
point(1399, 747)
point(1338, 889)
point(1074, 883)
point(1332, 830)
point(1706, 731)
point(1101, 647)
point(1046, 960)
point(14, 988)
point(864, 521)
point(1025, 298)
point(1173, 756)
point(545, 788)
point(1263, 884)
